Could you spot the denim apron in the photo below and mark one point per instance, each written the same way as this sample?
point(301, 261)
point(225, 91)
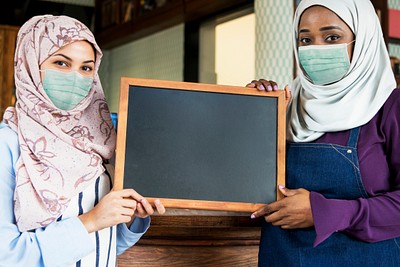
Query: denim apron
point(333, 171)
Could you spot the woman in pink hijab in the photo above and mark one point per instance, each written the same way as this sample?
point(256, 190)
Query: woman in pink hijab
point(57, 207)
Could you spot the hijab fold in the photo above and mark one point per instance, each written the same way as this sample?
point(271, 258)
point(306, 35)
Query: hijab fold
point(358, 96)
point(62, 152)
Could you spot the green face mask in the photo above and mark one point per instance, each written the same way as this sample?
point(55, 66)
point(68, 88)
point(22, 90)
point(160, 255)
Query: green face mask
point(324, 64)
point(66, 89)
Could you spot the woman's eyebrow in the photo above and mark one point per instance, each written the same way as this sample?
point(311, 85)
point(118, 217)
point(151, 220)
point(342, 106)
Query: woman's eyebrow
point(327, 28)
point(62, 55)
point(304, 30)
point(70, 59)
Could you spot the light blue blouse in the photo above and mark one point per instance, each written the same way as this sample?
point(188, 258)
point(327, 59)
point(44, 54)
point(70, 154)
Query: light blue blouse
point(61, 243)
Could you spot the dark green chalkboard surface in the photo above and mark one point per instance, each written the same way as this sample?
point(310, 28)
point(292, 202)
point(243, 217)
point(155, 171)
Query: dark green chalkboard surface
point(200, 146)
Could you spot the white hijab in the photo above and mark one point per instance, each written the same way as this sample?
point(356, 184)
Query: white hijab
point(358, 96)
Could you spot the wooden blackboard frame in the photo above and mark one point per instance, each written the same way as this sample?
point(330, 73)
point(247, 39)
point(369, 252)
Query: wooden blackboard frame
point(211, 205)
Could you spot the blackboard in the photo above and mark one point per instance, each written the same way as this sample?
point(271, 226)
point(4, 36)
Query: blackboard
point(200, 146)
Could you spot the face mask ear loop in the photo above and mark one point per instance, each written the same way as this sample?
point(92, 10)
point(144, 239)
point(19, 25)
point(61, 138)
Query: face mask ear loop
point(352, 52)
point(352, 42)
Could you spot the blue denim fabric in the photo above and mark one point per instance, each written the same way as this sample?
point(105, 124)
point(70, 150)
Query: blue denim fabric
point(333, 171)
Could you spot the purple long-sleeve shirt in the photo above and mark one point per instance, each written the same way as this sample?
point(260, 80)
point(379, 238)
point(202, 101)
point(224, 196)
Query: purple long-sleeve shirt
point(378, 217)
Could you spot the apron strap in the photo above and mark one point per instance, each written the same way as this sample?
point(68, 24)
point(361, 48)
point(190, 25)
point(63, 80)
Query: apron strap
point(353, 139)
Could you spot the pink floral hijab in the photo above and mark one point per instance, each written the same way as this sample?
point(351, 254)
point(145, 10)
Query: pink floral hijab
point(62, 152)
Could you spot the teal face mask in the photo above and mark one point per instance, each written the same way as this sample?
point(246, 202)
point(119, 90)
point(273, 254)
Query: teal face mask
point(324, 64)
point(66, 89)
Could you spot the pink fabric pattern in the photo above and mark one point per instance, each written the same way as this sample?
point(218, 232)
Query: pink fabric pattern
point(61, 151)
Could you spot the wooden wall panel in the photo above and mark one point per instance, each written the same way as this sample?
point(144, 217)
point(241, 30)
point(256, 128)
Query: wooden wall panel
point(201, 240)
point(8, 36)
point(156, 256)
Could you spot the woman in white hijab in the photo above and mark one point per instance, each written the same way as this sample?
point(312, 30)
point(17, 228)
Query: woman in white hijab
point(342, 204)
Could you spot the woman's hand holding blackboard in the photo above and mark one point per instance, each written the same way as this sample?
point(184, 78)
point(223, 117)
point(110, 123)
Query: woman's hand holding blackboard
point(145, 209)
point(291, 212)
point(119, 206)
point(263, 85)
point(269, 86)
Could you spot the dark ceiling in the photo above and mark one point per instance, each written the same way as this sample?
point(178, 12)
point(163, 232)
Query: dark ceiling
point(16, 12)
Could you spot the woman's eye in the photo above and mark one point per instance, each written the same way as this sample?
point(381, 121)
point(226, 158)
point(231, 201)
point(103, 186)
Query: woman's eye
point(87, 68)
point(332, 38)
point(305, 41)
point(61, 63)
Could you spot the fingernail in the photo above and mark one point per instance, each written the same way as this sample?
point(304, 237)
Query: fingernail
point(269, 88)
point(262, 87)
point(157, 201)
point(275, 87)
point(252, 216)
point(281, 186)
